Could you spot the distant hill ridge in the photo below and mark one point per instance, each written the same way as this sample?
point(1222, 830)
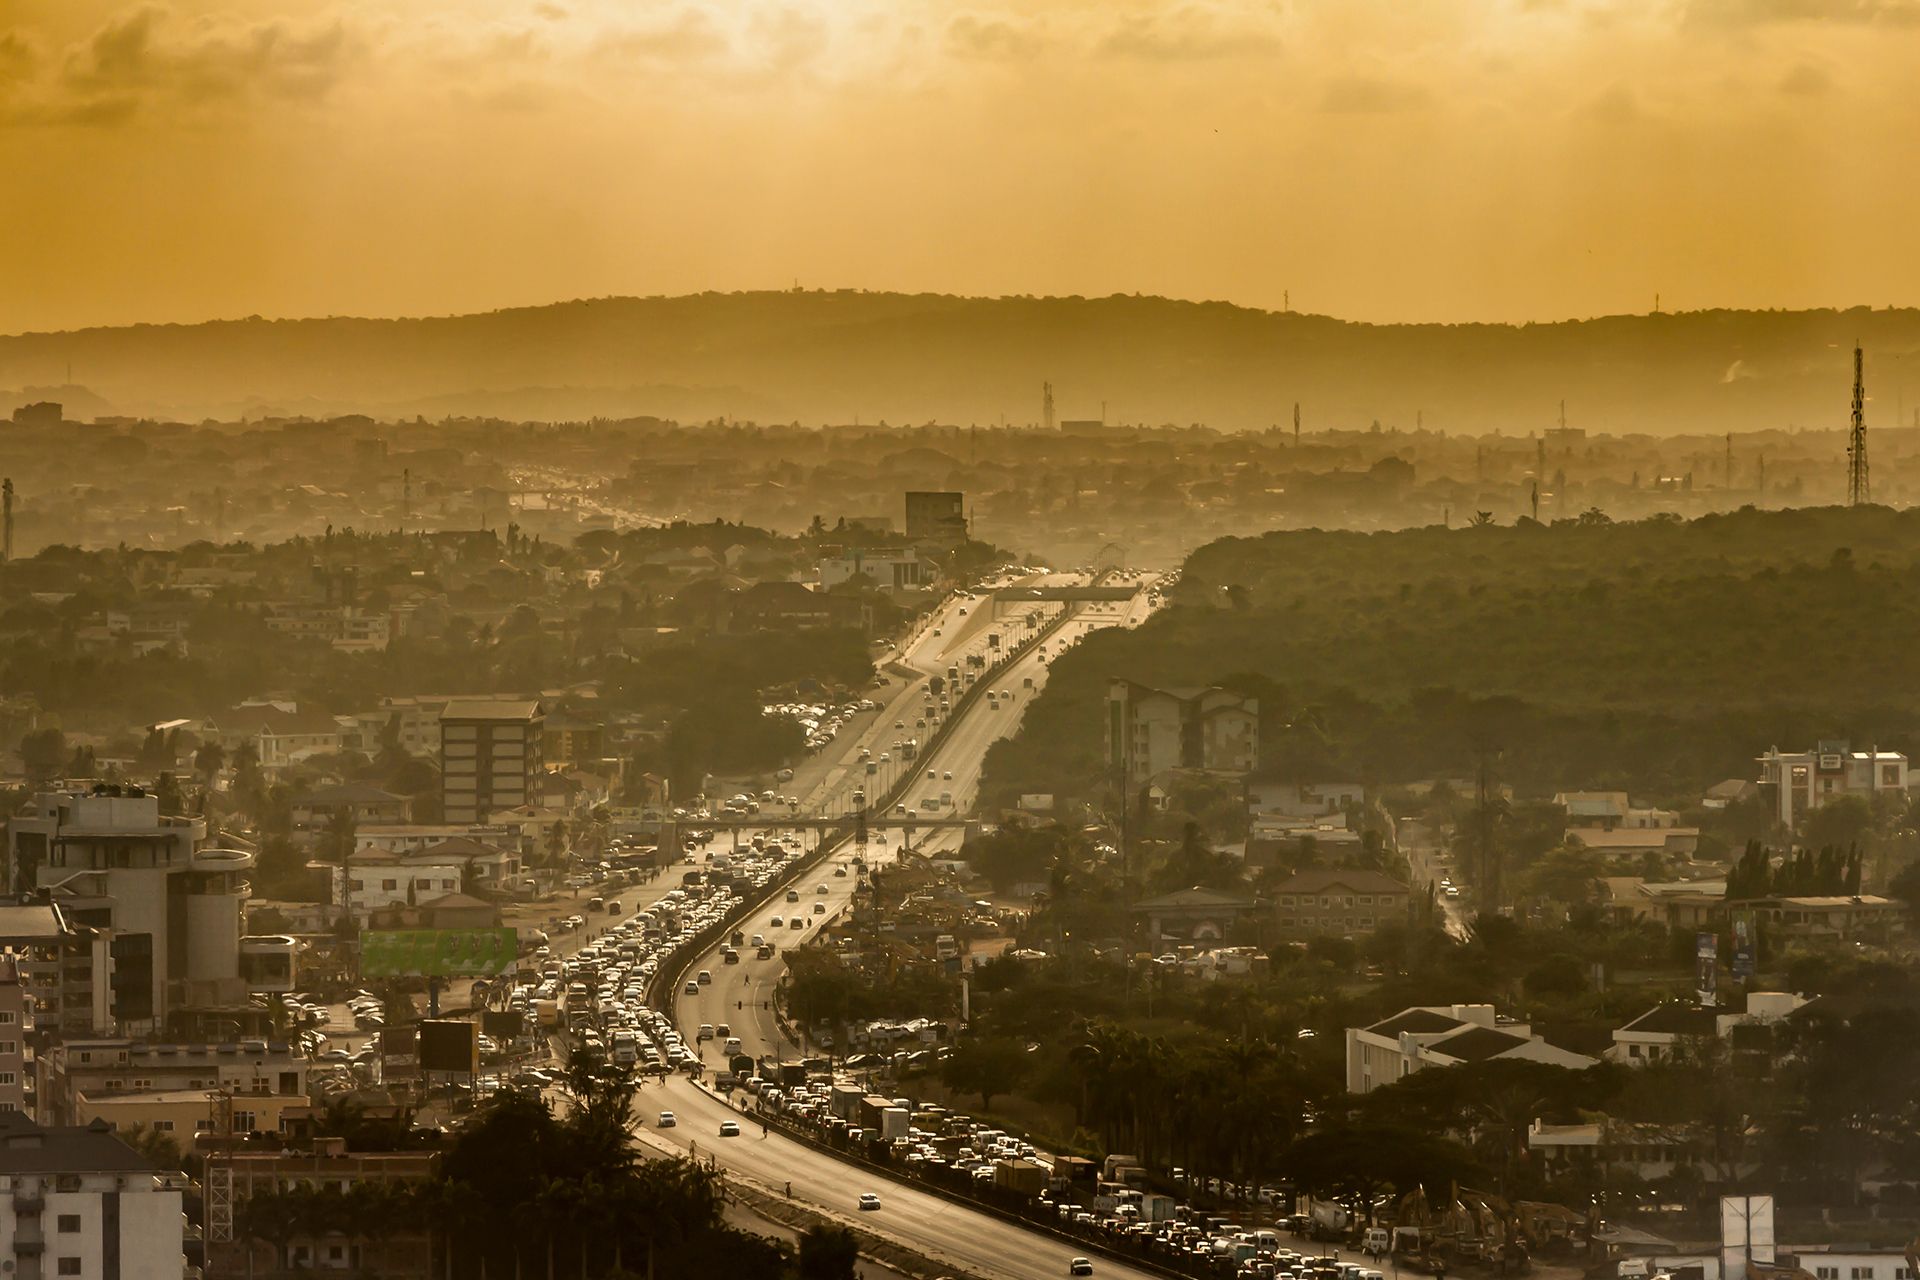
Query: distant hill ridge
point(843, 356)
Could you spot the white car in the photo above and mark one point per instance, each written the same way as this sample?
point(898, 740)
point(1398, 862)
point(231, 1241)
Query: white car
point(667, 1120)
point(869, 1201)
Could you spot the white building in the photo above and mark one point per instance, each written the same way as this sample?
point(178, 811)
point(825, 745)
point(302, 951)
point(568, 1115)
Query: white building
point(173, 913)
point(1659, 1033)
point(1151, 731)
point(1443, 1036)
point(80, 1202)
point(376, 881)
point(888, 570)
point(1798, 781)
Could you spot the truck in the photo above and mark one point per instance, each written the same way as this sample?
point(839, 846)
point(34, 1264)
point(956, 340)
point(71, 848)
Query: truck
point(895, 1122)
point(1027, 1177)
point(844, 1101)
point(909, 749)
point(1328, 1220)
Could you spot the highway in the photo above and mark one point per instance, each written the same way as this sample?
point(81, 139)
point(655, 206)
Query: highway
point(741, 996)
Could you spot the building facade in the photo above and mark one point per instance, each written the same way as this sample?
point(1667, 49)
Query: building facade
point(1151, 731)
point(1341, 904)
point(1442, 1036)
point(1796, 782)
point(490, 755)
point(77, 1201)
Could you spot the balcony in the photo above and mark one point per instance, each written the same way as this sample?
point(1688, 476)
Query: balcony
point(28, 1200)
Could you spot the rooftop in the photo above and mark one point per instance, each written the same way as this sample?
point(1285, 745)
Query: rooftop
point(492, 709)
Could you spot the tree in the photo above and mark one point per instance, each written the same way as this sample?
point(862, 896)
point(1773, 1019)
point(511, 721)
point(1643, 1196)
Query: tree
point(990, 1066)
point(828, 1253)
point(44, 753)
point(1905, 886)
point(208, 761)
point(1839, 823)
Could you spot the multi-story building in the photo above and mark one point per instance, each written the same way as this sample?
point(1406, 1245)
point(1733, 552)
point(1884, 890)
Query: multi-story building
point(1343, 904)
point(889, 570)
point(1443, 1036)
point(94, 1069)
point(172, 912)
point(376, 881)
point(490, 753)
point(402, 1250)
point(281, 733)
point(1660, 1032)
point(77, 1201)
point(936, 516)
point(1150, 731)
point(1799, 781)
point(51, 968)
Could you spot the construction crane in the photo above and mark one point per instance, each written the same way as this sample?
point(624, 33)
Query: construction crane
point(1859, 491)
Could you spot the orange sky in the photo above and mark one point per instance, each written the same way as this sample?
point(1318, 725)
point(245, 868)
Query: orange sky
point(1379, 159)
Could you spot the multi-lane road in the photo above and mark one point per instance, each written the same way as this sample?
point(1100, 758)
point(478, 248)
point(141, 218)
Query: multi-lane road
point(741, 995)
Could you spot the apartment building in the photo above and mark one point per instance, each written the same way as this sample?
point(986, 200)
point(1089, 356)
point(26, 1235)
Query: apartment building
point(1442, 1036)
point(490, 755)
point(1341, 904)
point(107, 1068)
point(1150, 731)
point(1797, 782)
point(77, 1201)
point(1659, 1033)
point(397, 1251)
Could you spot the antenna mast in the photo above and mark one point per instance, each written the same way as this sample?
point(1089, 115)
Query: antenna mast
point(1296, 425)
point(6, 520)
point(1858, 490)
point(1046, 404)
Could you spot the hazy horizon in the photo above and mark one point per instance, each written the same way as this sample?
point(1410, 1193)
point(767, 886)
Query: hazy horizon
point(1525, 160)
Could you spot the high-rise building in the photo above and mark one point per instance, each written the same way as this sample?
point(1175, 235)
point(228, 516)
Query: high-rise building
point(490, 754)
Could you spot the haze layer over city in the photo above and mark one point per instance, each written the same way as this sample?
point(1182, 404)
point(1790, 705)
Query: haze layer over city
point(959, 640)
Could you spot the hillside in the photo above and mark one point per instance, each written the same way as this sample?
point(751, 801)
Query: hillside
point(1658, 656)
point(846, 356)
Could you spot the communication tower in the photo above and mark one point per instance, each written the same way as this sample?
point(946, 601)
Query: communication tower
point(1858, 490)
point(1046, 404)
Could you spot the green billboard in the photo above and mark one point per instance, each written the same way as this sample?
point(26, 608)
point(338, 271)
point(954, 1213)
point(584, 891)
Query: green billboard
point(436, 953)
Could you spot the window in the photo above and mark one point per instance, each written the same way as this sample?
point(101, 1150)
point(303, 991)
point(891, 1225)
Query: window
point(389, 885)
point(8, 1018)
point(67, 1224)
point(163, 1126)
point(1827, 1273)
point(1366, 922)
point(243, 1121)
point(67, 1267)
point(1633, 1051)
point(1366, 899)
point(8, 1048)
point(1863, 1273)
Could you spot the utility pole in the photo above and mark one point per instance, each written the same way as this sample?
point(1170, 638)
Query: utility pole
point(1046, 404)
point(1729, 475)
point(1536, 501)
point(1858, 489)
point(6, 520)
point(1296, 425)
point(406, 494)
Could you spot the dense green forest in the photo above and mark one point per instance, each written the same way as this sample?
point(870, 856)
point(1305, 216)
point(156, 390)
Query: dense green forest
point(1659, 656)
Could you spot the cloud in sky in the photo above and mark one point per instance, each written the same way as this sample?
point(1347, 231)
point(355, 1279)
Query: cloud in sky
point(1449, 159)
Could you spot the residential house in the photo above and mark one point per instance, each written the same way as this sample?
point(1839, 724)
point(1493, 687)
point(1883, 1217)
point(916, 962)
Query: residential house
point(368, 804)
point(1440, 1036)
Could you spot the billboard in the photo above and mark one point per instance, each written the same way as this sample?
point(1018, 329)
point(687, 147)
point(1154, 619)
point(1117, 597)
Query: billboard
point(436, 953)
point(399, 1052)
point(1744, 957)
point(449, 1044)
point(1706, 953)
point(502, 1024)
